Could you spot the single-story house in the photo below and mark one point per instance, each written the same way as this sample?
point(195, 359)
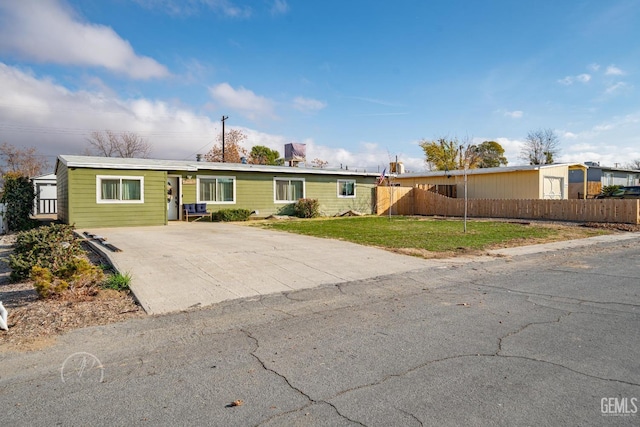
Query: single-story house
point(600, 176)
point(508, 182)
point(111, 192)
point(46, 194)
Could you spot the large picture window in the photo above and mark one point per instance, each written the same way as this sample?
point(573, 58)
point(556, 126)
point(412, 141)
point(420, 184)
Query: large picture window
point(119, 189)
point(288, 189)
point(216, 189)
point(346, 188)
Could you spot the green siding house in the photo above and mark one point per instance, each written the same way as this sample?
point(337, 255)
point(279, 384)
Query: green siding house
point(113, 192)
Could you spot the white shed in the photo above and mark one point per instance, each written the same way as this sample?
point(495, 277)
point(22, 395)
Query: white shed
point(46, 201)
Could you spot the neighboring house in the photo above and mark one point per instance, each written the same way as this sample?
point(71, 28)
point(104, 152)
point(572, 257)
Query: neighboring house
point(509, 182)
point(108, 192)
point(601, 176)
point(46, 194)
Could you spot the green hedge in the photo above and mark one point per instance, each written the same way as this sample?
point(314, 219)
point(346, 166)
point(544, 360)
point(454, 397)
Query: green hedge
point(231, 215)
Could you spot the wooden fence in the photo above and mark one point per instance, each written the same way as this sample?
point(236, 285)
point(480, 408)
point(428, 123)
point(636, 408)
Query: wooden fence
point(422, 201)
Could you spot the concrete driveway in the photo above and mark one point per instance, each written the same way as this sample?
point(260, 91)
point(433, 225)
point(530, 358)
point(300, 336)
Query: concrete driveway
point(186, 265)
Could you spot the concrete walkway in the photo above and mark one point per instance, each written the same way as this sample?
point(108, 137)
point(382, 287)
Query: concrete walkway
point(186, 265)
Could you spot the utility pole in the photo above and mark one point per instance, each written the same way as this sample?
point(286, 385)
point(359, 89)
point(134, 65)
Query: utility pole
point(223, 119)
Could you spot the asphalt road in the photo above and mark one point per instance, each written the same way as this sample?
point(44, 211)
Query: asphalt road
point(549, 339)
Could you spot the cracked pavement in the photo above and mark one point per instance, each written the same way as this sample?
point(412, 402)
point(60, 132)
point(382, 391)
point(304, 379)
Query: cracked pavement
point(537, 339)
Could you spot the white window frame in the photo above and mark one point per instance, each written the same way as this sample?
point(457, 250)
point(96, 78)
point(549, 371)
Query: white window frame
point(281, 178)
point(349, 196)
point(99, 198)
point(608, 178)
point(216, 177)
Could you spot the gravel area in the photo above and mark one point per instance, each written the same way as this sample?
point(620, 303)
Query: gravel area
point(34, 323)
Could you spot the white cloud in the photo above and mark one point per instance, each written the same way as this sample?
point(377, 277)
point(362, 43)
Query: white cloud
point(583, 78)
point(37, 111)
point(308, 104)
point(243, 100)
point(517, 114)
point(616, 87)
point(369, 156)
point(192, 7)
point(569, 80)
point(612, 70)
point(51, 33)
point(279, 7)
point(593, 67)
point(512, 148)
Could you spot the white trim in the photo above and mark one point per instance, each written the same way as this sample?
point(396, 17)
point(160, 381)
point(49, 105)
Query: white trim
point(281, 178)
point(216, 177)
point(99, 179)
point(340, 196)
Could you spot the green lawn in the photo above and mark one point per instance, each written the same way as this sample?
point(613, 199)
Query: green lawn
point(429, 234)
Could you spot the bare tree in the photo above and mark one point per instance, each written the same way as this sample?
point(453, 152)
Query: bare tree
point(124, 144)
point(21, 161)
point(233, 151)
point(319, 163)
point(634, 164)
point(540, 147)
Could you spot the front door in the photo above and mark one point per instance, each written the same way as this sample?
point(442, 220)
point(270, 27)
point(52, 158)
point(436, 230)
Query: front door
point(173, 199)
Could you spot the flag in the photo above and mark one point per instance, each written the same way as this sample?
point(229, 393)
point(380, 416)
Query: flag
point(381, 179)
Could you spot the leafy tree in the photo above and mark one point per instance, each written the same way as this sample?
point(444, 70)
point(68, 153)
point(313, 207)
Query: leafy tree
point(540, 147)
point(491, 155)
point(124, 144)
point(444, 154)
point(441, 154)
point(261, 155)
point(21, 161)
point(233, 151)
point(18, 196)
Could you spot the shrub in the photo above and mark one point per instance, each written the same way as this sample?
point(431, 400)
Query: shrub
point(118, 282)
point(231, 215)
point(45, 284)
point(51, 247)
point(53, 258)
point(307, 208)
point(18, 196)
point(79, 277)
point(608, 190)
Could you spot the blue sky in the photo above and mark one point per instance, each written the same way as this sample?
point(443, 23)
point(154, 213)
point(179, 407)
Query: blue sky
point(359, 81)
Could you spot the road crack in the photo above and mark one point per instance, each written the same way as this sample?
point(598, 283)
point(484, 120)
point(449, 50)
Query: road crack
point(311, 400)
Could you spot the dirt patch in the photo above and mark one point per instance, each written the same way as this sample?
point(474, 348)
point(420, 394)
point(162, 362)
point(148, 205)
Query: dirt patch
point(35, 323)
point(618, 227)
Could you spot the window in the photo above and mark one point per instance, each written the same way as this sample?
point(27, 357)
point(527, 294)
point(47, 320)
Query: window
point(119, 189)
point(346, 188)
point(288, 190)
point(217, 189)
point(608, 178)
